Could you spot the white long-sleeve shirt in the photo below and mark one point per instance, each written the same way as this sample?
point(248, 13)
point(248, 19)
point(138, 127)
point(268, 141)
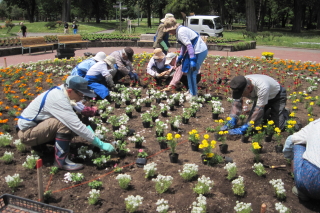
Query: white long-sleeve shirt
point(159, 65)
point(309, 135)
point(57, 106)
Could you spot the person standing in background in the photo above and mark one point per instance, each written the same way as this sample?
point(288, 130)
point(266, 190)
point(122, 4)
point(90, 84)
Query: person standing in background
point(66, 28)
point(74, 27)
point(23, 29)
point(161, 39)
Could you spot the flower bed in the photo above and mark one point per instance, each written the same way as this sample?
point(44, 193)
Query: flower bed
point(22, 83)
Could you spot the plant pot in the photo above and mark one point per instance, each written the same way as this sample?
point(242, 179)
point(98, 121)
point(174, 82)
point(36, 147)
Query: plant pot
point(129, 114)
point(138, 109)
point(205, 160)
point(158, 100)
point(159, 134)
point(164, 114)
point(185, 120)
point(279, 148)
point(122, 153)
point(176, 103)
point(223, 148)
point(114, 128)
point(146, 124)
point(163, 145)
point(148, 104)
point(217, 136)
point(117, 105)
point(215, 116)
point(193, 114)
point(173, 128)
point(174, 157)
point(245, 139)
point(154, 119)
point(171, 108)
point(141, 162)
point(194, 147)
point(268, 138)
point(128, 102)
point(104, 120)
point(138, 145)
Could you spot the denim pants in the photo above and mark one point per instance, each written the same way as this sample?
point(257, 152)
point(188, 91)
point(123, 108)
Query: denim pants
point(192, 75)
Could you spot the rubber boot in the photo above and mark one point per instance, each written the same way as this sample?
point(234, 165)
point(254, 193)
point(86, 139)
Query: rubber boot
point(62, 148)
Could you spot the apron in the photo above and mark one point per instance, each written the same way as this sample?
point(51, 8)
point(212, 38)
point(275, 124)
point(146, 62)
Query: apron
point(98, 85)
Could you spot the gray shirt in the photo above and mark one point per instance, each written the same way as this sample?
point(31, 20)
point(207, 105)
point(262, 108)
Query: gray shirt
point(57, 106)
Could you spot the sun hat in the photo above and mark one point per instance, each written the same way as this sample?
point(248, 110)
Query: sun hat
point(170, 24)
point(168, 15)
point(100, 56)
point(158, 54)
point(129, 52)
point(169, 57)
point(80, 84)
point(238, 84)
point(110, 60)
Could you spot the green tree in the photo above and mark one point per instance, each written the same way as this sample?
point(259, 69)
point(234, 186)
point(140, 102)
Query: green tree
point(28, 5)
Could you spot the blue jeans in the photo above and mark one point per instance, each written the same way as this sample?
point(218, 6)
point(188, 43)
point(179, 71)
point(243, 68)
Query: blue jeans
point(192, 75)
point(75, 31)
point(306, 175)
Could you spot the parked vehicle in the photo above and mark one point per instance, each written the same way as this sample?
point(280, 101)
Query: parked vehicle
point(205, 25)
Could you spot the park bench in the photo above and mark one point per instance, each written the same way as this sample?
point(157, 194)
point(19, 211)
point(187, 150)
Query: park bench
point(70, 39)
point(30, 42)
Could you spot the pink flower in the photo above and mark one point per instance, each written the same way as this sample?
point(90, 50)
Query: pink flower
point(115, 165)
point(140, 150)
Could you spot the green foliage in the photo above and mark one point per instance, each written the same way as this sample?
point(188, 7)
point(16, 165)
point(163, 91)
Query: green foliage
point(95, 184)
point(50, 25)
point(54, 170)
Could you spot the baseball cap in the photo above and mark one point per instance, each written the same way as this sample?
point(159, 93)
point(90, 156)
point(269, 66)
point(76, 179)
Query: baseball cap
point(129, 53)
point(100, 56)
point(238, 84)
point(169, 57)
point(80, 84)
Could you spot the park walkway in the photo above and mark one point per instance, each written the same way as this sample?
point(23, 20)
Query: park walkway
point(279, 52)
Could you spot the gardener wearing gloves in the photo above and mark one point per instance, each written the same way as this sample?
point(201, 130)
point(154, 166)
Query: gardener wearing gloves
point(266, 92)
point(157, 67)
point(50, 117)
point(161, 39)
point(100, 76)
point(303, 148)
point(192, 54)
point(124, 59)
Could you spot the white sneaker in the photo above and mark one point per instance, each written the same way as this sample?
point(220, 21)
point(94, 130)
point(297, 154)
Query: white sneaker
point(189, 97)
point(187, 93)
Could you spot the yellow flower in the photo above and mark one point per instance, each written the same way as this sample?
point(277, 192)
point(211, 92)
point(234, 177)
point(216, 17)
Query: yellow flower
point(311, 119)
point(201, 146)
point(197, 136)
point(210, 155)
point(220, 132)
point(206, 136)
point(277, 130)
point(194, 131)
point(294, 107)
point(258, 128)
point(169, 136)
point(289, 126)
point(220, 121)
point(270, 122)
point(251, 122)
point(213, 143)
point(225, 132)
point(205, 143)
point(256, 145)
point(311, 103)
point(228, 118)
point(292, 114)
point(177, 136)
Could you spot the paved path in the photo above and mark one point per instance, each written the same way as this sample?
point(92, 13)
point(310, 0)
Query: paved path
point(281, 53)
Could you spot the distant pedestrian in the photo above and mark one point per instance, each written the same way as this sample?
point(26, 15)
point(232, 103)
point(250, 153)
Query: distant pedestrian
point(23, 29)
point(75, 27)
point(66, 28)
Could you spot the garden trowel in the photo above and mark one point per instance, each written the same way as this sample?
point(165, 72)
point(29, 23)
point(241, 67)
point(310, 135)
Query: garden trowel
point(274, 167)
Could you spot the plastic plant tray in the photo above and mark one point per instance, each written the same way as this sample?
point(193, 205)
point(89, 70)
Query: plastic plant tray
point(15, 204)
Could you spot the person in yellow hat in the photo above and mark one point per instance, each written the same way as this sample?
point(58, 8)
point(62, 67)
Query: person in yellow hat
point(157, 67)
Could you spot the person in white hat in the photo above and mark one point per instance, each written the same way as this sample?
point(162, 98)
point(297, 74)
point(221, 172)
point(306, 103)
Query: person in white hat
point(99, 76)
point(157, 67)
point(161, 39)
point(82, 68)
point(176, 73)
point(192, 54)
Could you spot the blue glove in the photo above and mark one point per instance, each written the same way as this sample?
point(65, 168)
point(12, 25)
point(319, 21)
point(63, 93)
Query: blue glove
point(98, 143)
point(116, 66)
point(179, 60)
point(239, 131)
point(230, 124)
point(133, 76)
point(193, 64)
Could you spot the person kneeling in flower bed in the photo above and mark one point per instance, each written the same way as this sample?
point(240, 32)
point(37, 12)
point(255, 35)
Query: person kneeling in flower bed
point(267, 93)
point(50, 117)
point(303, 148)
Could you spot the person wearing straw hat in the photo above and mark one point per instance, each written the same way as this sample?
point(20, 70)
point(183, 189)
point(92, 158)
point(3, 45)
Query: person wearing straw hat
point(192, 54)
point(82, 68)
point(100, 75)
point(176, 73)
point(157, 67)
point(161, 39)
point(50, 118)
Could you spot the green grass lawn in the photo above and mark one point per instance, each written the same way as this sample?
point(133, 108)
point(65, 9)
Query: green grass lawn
point(305, 39)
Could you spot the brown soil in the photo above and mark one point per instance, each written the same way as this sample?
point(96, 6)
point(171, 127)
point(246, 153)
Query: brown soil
point(180, 195)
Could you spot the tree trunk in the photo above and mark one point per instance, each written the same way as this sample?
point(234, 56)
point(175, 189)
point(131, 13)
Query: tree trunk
point(263, 14)
point(318, 18)
point(66, 7)
point(149, 13)
point(251, 16)
point(296, 27)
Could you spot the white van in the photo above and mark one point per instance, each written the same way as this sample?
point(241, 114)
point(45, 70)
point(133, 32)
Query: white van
point(205, 25)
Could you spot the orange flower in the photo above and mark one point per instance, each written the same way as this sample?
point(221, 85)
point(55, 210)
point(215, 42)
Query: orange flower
point(23, 100)
point(7, 107)
point(0, 114)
